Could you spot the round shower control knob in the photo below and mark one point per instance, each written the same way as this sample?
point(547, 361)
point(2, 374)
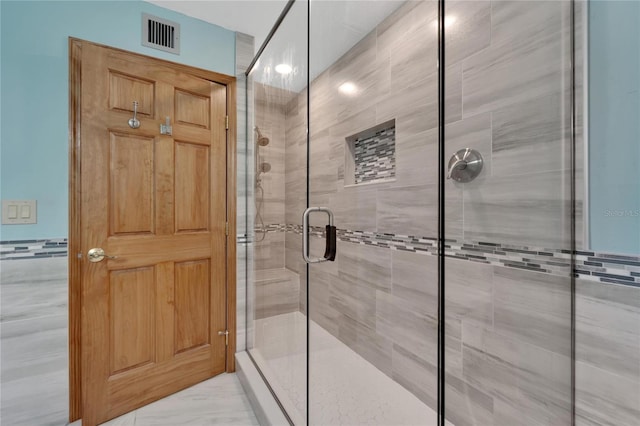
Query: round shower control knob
point(465, 165)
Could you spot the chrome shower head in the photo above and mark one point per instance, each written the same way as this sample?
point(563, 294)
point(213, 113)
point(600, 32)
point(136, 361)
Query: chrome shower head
point(262, 140)
point(265, 167)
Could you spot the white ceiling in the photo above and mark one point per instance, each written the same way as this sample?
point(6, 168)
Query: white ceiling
point(336, 26)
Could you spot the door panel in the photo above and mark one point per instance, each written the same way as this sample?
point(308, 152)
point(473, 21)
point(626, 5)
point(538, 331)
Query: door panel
point(131, 179)
point(192, 304)
point(131, 299)
point(156, 203)
point(192, 187)
point(192, 109)
point(123, 88)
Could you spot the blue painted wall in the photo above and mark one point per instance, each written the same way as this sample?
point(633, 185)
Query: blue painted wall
point(614, 126)
point(34, 88)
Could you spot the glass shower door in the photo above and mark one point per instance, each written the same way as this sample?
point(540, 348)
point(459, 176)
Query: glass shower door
point(276, 194)
point(372, 161)
point(508, 228)
point(607, 310)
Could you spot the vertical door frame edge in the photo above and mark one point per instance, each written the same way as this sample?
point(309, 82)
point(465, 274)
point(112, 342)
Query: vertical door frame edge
point(75, 265)
point(231, 220)
point(75, 226)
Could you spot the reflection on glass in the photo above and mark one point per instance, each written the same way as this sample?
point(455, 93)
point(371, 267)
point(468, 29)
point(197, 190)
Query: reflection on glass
point(373, 128)
point(508, 269)
point(607, 314)
point(276, 328)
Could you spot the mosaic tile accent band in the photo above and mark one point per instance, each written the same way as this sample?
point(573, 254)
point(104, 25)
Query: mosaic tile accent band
point(29, 249)
point(601, 267)
point(375, 156)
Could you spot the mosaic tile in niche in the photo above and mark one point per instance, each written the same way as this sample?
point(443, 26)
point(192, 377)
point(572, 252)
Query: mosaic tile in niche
point(371, 155)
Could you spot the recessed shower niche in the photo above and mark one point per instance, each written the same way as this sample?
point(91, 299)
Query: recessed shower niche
point(370, 156)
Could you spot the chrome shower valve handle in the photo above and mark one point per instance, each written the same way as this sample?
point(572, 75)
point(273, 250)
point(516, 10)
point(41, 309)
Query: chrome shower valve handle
point(465, 165)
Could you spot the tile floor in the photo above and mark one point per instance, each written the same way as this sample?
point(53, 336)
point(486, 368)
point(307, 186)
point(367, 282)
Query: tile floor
point(344, 388)
point(34, 359)
point(217, 401)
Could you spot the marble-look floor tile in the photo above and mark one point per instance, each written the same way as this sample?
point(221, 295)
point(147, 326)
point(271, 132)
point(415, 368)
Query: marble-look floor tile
point(344, 389)
point(217, 401)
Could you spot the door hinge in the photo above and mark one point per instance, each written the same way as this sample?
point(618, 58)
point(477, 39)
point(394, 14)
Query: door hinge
point(226, 228)
point(226, 122)
point(225, 333)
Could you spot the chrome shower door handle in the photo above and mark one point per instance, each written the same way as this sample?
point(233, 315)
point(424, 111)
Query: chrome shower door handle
point(331, 245)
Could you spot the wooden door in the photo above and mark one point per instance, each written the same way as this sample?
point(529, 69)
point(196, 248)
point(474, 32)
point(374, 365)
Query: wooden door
point(156, 203)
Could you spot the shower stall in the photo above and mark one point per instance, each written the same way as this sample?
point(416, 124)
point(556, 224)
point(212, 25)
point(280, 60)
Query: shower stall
point(447, 147)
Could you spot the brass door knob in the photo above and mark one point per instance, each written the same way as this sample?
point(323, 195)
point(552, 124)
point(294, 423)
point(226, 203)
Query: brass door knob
point(97, 255)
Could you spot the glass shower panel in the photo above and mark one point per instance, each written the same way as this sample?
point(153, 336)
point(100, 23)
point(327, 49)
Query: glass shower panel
point(508, 229)
point(276, 337)
point(373, 162)
point(607, 266)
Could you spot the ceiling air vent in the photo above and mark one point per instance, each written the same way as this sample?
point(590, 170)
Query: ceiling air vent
point(160, 34)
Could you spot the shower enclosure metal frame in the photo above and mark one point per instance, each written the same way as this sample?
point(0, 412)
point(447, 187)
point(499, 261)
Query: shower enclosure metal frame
point(442, 173)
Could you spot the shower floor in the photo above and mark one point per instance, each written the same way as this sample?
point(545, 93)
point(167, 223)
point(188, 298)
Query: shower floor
point(344, 388)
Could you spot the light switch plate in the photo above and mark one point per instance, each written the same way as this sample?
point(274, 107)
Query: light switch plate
point(18, 212)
